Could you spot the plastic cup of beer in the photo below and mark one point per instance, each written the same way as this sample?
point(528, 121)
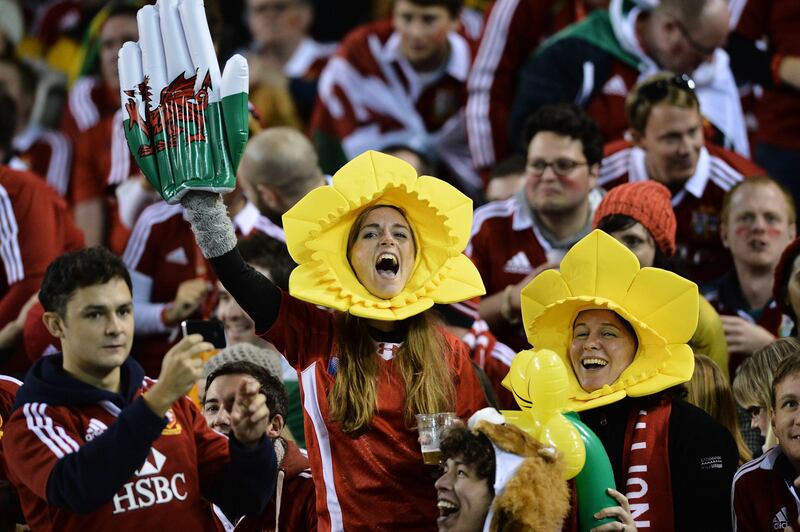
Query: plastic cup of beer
point(431, 428)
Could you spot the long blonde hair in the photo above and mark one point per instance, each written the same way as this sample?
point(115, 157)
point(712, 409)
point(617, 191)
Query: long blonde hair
point(709, 390)
point(422, 362)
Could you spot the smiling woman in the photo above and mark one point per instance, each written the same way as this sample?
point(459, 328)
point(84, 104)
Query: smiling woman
point(623, 330)
point(603, 346)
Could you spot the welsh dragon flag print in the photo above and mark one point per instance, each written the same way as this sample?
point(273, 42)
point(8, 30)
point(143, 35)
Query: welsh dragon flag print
point(185, 122)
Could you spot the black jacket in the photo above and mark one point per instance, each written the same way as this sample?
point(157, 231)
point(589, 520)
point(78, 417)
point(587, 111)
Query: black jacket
point(701, 494)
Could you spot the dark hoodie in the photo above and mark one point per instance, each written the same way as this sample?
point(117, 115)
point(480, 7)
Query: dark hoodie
point(83, 481)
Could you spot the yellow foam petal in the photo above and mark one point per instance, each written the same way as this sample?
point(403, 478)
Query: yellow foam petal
point(599, 265)
point(666, 302)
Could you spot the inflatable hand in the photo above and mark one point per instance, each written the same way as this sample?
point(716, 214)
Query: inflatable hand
point(538, 381)
point(185, 123)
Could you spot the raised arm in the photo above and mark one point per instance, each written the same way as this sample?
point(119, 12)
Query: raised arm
point(215, 236)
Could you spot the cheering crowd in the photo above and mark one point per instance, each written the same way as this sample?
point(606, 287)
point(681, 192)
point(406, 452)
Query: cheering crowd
point(614, 182)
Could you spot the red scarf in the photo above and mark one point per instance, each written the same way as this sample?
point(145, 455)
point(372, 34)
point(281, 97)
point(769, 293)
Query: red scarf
point(646, 463)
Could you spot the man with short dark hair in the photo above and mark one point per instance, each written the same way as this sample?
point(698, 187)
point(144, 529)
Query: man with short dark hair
point(92, 444)
point(515, 239)
point(296, 504)
point(764, 490)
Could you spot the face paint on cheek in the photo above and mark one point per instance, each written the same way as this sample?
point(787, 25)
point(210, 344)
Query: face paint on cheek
point(743, 231)
point(774, 232)
point(569, 182)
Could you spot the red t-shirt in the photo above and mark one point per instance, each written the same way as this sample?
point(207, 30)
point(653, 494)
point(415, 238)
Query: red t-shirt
point(376, 481)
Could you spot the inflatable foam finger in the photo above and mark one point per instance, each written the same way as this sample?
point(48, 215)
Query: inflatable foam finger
point(153, 90)
point(179, 136)
point(221, 173)
point(131, 78)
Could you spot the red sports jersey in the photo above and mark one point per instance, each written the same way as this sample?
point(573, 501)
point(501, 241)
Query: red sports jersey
point(9, 502)
point(48, 154)
point(36, 228)
point(370, 98)
point(88, 102)
point(763, 495)
point(161, 254)
point(778, 109)
point(168, 489)
point(697, 205)
point(514, 28)
point(294, 490)
point(103, 161)
point(376, 481)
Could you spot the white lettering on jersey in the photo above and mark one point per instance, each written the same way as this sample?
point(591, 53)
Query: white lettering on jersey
point(152, 488)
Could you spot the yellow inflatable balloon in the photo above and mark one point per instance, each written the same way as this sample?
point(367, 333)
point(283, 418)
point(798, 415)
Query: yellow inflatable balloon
point(538, 380)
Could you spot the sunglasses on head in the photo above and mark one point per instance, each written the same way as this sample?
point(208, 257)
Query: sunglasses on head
point(657, 90)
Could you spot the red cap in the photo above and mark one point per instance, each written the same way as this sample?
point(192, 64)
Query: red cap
point(647, 202)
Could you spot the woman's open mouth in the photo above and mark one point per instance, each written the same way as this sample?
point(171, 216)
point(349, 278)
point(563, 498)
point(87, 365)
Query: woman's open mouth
point(593, 363)
point(387, 265)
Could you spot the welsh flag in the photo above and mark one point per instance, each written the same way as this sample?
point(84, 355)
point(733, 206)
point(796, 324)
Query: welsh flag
point(185, 122)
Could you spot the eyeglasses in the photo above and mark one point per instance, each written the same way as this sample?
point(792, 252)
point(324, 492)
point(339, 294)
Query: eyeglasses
point(657, 90)
point(700, 49)
point(561, 166)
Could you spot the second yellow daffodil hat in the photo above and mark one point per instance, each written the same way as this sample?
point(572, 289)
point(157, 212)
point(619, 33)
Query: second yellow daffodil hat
point(440, 216)
point(600, 272)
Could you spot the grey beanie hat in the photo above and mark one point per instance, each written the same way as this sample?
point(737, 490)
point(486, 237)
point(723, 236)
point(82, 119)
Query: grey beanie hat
point(267, 357)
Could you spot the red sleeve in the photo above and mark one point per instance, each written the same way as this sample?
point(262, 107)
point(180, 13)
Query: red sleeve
point(302, 331)
point(8, 391)
point(40, 216)
point(469, 394)
point(744, 510)
point(479, 256)
point(32, 451)
point(87, 181)
point(514, 28)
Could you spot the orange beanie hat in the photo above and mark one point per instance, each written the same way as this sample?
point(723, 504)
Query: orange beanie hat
point(647, 202)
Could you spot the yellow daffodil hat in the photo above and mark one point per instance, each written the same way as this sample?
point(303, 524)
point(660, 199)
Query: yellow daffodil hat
point(440, 216)
point(599, 272)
